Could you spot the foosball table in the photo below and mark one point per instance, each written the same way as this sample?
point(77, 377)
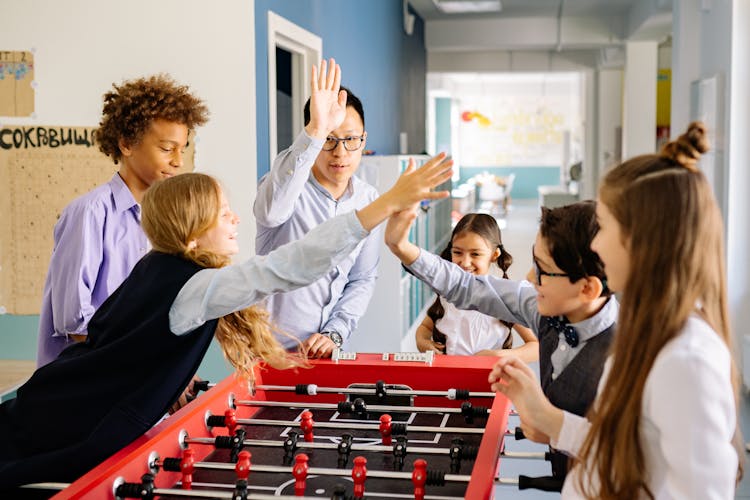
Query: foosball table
point(398, 425)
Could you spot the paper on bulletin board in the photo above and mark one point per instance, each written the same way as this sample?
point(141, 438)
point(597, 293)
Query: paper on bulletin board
point(42, 169)
point(16, 77)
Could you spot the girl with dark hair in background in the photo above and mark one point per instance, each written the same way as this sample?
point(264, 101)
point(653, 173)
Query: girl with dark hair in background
point(476, 243)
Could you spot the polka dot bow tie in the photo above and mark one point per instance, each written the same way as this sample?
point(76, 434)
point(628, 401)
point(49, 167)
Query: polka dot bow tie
point(560, 324)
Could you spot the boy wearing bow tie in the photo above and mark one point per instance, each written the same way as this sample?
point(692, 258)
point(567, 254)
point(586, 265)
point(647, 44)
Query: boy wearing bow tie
point(565, 301)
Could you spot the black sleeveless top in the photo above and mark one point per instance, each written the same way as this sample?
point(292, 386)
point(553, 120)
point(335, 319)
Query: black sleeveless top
point(101, 394)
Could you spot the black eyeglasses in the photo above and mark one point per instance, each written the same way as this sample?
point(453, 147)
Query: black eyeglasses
point(538, 273)
point(351, 143)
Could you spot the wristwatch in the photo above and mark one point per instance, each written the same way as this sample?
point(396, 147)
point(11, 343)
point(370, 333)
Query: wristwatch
point(335, 338)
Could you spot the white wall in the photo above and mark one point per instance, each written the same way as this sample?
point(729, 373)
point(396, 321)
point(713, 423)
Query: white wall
point(82, 47)
point(639, 109)
point(738, 223)
point(609, 111)
point(711, 38)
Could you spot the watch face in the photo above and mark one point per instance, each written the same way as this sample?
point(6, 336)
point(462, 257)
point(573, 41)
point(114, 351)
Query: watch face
point(336, 338)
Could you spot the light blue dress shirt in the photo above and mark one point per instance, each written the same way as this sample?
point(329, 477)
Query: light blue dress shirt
point(508, 300)
point(97, 242)
point(289, 204)
point(213, 293)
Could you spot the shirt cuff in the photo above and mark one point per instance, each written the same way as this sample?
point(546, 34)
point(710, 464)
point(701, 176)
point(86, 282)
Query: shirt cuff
point(339, 326)
point(424, 264)
point(572, 433)
point(355, 226)
point(306, 146)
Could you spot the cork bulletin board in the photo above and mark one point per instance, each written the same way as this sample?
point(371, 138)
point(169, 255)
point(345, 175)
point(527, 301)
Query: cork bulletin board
point(16, 83)
point(42, 169)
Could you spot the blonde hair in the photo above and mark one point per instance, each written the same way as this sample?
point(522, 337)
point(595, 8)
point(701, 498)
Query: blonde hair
point(673, 228)
point(179, 210)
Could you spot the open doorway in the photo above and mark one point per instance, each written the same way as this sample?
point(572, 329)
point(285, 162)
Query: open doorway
point(292, 51)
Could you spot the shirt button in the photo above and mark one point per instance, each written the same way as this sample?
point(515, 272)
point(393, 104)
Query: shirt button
point(563, 347)
point(289, 172)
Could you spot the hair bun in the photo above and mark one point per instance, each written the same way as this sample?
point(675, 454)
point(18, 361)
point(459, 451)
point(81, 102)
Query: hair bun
point(688, 148)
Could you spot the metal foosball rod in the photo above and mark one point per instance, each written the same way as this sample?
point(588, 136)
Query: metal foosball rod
point(386, 426)
point(317, 471)
point(358, 406)
point(380, 390)
point(129, 491)
point(544, 483)
point(420, 476)
point(268, 443)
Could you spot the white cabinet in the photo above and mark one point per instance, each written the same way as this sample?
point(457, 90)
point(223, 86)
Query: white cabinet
point(399, 299)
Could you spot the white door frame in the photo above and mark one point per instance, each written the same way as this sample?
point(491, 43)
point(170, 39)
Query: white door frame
point(306, 49)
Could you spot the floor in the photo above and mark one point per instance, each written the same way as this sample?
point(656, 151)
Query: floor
point(519, 229)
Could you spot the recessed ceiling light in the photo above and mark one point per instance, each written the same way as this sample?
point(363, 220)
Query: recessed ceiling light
point(467, 6)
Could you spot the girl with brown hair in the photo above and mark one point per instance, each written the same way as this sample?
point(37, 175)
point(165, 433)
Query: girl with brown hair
point(664, 424)
point(476, 243)
point(148, 339)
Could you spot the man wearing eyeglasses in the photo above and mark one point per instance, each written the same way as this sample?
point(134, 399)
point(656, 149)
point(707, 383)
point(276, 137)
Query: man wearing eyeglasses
point(308, 184)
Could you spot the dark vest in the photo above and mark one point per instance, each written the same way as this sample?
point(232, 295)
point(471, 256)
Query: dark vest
point(575, 388)
point(101, 394)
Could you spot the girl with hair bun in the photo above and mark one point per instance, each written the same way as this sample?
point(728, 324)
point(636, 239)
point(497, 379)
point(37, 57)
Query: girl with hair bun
point(476, 243)
point(664, 424)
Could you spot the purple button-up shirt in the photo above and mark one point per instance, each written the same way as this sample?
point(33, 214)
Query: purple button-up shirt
point(98, 240)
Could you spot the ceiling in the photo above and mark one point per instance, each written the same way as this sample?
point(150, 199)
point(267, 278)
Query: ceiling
point(538, 25)
point(428, 10)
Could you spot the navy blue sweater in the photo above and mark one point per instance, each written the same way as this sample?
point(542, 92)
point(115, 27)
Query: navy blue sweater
point(101, 394)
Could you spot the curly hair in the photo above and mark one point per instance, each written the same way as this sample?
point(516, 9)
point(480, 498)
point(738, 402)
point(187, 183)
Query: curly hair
point(131, 107)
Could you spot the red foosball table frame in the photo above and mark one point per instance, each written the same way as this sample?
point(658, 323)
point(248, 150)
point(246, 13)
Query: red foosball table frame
point(460, 372)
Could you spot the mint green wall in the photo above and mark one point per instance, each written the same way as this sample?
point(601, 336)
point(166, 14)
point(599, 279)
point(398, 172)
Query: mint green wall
point(18, 339)
point(527, 178)
point(442, 125)
point(18, 336)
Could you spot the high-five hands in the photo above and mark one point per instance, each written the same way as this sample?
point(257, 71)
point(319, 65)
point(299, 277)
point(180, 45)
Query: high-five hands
point(413, 186)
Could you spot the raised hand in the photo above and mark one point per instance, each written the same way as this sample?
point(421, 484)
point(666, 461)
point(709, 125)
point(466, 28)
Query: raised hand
point(327, 101)
point(413, 186)
point(397, 235)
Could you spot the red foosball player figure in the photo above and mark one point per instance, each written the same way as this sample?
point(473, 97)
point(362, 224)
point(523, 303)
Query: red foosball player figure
point(359, 475)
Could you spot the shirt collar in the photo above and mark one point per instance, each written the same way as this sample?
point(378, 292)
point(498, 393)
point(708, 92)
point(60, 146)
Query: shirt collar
point(347, 194)
point(596, 324)
point(122, 196)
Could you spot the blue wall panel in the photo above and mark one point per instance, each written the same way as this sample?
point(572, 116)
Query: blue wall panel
point(367, 39)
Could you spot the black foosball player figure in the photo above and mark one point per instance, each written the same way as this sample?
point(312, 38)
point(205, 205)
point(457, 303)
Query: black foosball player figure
point(163, 317)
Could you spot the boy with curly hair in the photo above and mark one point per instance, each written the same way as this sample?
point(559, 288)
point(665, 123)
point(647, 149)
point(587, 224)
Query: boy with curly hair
point(98, 237)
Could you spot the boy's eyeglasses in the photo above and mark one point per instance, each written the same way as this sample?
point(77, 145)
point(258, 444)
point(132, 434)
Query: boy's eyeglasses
point(538, 273)
point(351, 143)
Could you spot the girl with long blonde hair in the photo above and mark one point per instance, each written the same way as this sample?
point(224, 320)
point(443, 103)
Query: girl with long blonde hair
point(148, 339)
point(664, 422)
